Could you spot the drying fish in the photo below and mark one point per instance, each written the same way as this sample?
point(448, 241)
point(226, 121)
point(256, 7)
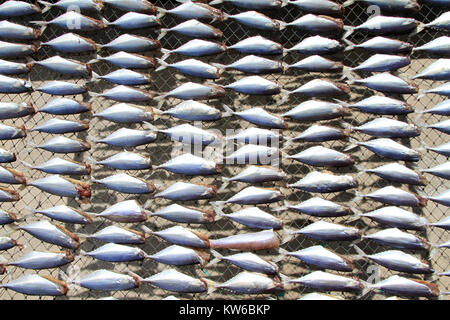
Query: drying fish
point(60, 126)
point(126, 77)
point(180, 256)
point(438, 70)
point(105, 280)
point(387, 83)
point(133, 5)
point(398, 239)
point(444, 245)
point(443, 149)
point(319, 6)
point(443, 198)
point(262, 240)
point(383, 24)
point(126, 113)
point(322, 88)
point(14, 68)
point(259, 116)
point(55, 234)
point(62, 166)
point(318, 207)
point(441, 109)
point(88, 5)
point(249, 4)
point(320, 257)
point(443, 126)
point(257, 174)
point(193, 67)
point(189, 134)
point(71, 43)
point(192, 110)
point(8, 243)
point(12, 85)
point(397, 173)
point(258, 45)
point(255, 136)
point(196, 48)
point(441, 170)
point(253, 217)
point(60, 144)
point(64, 106)
point(173, 280)
point(193, 28)
point(253, 195)
point(257, 65)
point(64, 187)
point(10, 30)
point(443, 90)
point(127, 138)
point(247, 261)
point(326, 231)
point(11, 176)
point(444, 224)
point(252, 153)
point(398, 261)
point(258, 20)
point(127, 60)
point(193, 10)
point(8, 218)
point(387, 128)
point(10, 132)
point(255, 85)
point(181, 236)
point(72, 20)
point(66, 66)
point(189, 164)
point(122, 182)
point(123, 93)
point(397, 218)
point(10, 50)
point(324, 281)
point(62, 88)
point(313, 23)
point(319, 156)
point(252, 283)
point(6, 156)
point(33, 284)
point(382, 62)
point(317, 63)
point(388, 148)
point(194, 91)
point(128, 211)
point(318, 296)
point(398, 285)
point(395, 196)
point(112, 252)
point(177, 213)
point(315, 110)
point(116, 234)
point(126, 161)
point(441, 23)
point(135, 20)
point(383, 45)
point(438, 46)
point(390, 5)
point(380, 105)
point(65, 214)
point(317, 133)
point(13, 8)
point(317, 45)
point(132, 44)
point(43, 260)
point(324, 182)
point(11, 110)
point(183, 191)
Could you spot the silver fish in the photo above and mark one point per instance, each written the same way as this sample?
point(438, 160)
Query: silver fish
point(67, 21)
point(387, 83)
point(258, 20)
point(123, 93)
point(173, 280)
point(183, 191)
point(66, 66)
point(122, 182)
point(181, 236)
point(251, 283)
point(194, 91)
point(9, 50)
point(135, 20)
point(319, 207)
point(14, 68)
point(442, 109)
point(315, 110)
point(65, 214)
point(318, 133)
point(254, 85)
point(442, 149)
point(325, 281)
point(380, 24)
point(193, 10)
point(88, 5)
point(12, 8)
point(317, 63)
point(397, 218)
point(441, 170)
point(132, 44)
point(398, 239)
point(258, 45)
point(438, 46)
point(438, 70)
point(60, 126)
point(192, 110)
point(193, 28)
point(126, 161)
point(55, 234)
point(189, 164)
point(126, 113)
point(253, 217)
point(319, 156)
point(327, 231)
point(397, 197)
point(71, 43)
point(112, 252)
point(105, 280)
point(11, 110)
point(128, 138)
point(196, 48)
point(128, 211)
point(440, 23)
point(177, 213)
point(257, 65)
point(406, 287)
point(259, 116)
point(443, 90)
point(127, 60)
point(324, 182)
point(388, 148)
point(125, 77)
point(258, 174)
point(317, 45)
point(247, 261)
point(60, 144)
point(133, 5)
point(64, 106)
point(10, 132)
point(389, 5)
point(443, 126)
point(322, 88)
point(253, 195)
point(314, 23)
point(12, 85)
point(8, 218)
point(64, 187)
point(319, 7)
point(10, 30)
point(43, 260)
point(11, 176)
point(8, 243)
point(251, 153)
point(380, 105)
point(192, 67)
point(250, 4)
point(383, 45)
point(189, 134)
point(382, 62)
point(179, 256)
point(443, 198)
point(397, 173)
point(387, 128)
point(444, 224)
point(116, 234)
point(262, 240)
point(62, 88)
point(7, 156)
point(255, 136)
point(33, 284)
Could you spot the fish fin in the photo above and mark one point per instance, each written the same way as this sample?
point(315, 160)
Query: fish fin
point(288, 235)
point(161, 13)
point(163, 65)
point(47, 6)
point(146, 230)
point(214, 2)
point(282, 253)
point(348, 31)
point(225, 183)
point(346, 73)
point(162, 33)
point(165, 53)
point(350, 45)
point(348, 3)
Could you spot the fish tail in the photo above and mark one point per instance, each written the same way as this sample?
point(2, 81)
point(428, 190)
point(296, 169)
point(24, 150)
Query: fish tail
point(421, 94)
point(217, 258)
point(367, 288)
point(163, 65)
point(226, 182)
point(358, 196)
point(82, 235)
point(284, 279)
point(90, 160)
point(346, 73)
point(146, 230)
point(47, 5)
point(137, 277)
point(228, 111)
point(26, 164)
point(95, 60)
point(31, 146)
point(211, 286)
point(92, 139)
point(226, 16)
point(284, 3)
point(348, 31)
point(360, 254)
point(150, 126)
point(282, 208)
point(350, 45)
point(162, 33)
point(284, 96)
point(353, 144)
point(217, 207)
point(348, 3)
point(165, 53)
point(417, 30)
point(95, 77)
point(161, 13)
point(282, 24)
point(288, 235)
point(281, 254)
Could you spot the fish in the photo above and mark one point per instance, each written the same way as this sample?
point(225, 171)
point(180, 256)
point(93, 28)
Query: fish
point(253, 195)
point(183, 191)
point(7, 156)
point(192, 110)
point(324, 281)
point(63, 88)
point(397, 218)
point(122, 93)
point(181, 236)
point(189, 164)
point(324, 182)
point(72, 20)
point(33, 284)
point(87, 5)
point(396, 172)
point(12, 110)
point(60, 126)
point(325, 231)
point(387, 83)
point(255, 136)
point(258, 116)
point(386, 147)
point(252, 153)
point(189, 134)
point(125, 77)
point(441, 170)
point(319, 156)
point(318, 133)
point(390, 5)
point(8, 243)
point(322, 88)
point(64, 106)
point(181, 214)
point(196, 48)
point(135, 20)
point(258, 20)
point(441, 23)
point(11, 176)
point(179, 256)
point(193, 28)
point(319, 7)
point(11, 30)
point(262, 240)
point(443, 149)
point(393, 237)
point(63, 186)
point(247, 261)
point(72, 43)
point(127, 60)
point(128, 211)
point(317, 45)
point(387, 128)
point(10, 50)
point(253, 217)
point(397, 197)
point(441, 109)
point(112, 252)
point(317, 23)
point(443, 224)
point(8, 218)
point(318, 207)
point(438, 46)
point(127, 138)
point(60, 144)
point(14, 68)
point(382, 45)
point(438, 70)
point(444, 245)
point(12, 85)
point(320, 257)
point(318, 296)
point(122, 182)
point(406, 287)
point(173, 280)
point(116, 234)
point(443, 90)
point(133, 5)
point(254, 85)
point(66, 66)
point(258, 45)
point(443, 198)
point(256, 65)
point(382, 62)
point(380, 24)
point(12, 8)
point(131, 44)
point(126, 161)
point(193, 10)
point(65, 214)
point(194, 91)
point(249, 4)
point(316, 110)
point(126, 113)
point(258, 174)
point(12, 133)
point(443, 126)
point(51, 233)
point(43, 260)
point(380, 105)
point(192, 67)
point(105, 280)
point(316, 63)
point(252, 283)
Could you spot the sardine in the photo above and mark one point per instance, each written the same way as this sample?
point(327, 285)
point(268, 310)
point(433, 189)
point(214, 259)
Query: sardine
point(10, 30)
point(33, 284)
point(126, 77)
point(250, 4)
point(253, 217)
point(441, 23)
point(324, 281)
point(71, 43)
point(441, 109)
point(188, 134)
point(387, 83)
point(112, 252)
point(194, 10)
point(105, 280)
point(262, 240)
point(255, 85)
point(317, 23)
point(259, 116)
point(251, 153)
point(318, 133)
point(383, 45)
point(11, 133)
point(7, 156)
point(317, 63)
point(64, 106)
point(247, 261)
point(318, 207)
point(8, 243)
point(128, 138)
point(54, 234)
point(192, 110)
point(64, 187)
point(128, 211)
point(398, 285)
point(258, 174)
point(87, 5)
point(317, 45)
point(379, 24)
point(441, 170)
point(60, 144)
point(127, 60)
point(63, 88)
point(12, 8)
point(116, 234)
point(135, 20)
point(189, 164)
point(393, 237)
point(72, 20)
point(324, 182)
point(183, 191)
point(380, 105)
point(11, 110)
point(66, 66)
point(322, 88)
point(42, 260)
point(257, 65)
point(252, 283)
point(389, 5)
point(253, 195)
point(325, 231)
point(387, 128)
point(10, 50)
point(398, 173)
point(60, 126)
point(181, 214)
point(126, 161)
point(65, 214)
point(13, 85)
point(122, 182)
point(397, 218)
point(396, 197)
point(192, 67)
point(382, 62)
point(179, 256)
point(123, 93)
point(438, 70)
point(181, 236)
point(315, 110)
point(438, 46)
point(319, 156)
point(258, 45)
point(196, 48)
point(132, 44)
point(256, 136)
point(133, 5)
point(258, 20)
point(11, 176)
point(193, 28)
point(194, 91)
point(14, 68)
point(126, 113)
point(319, 6)
point(388, 148)
point(173, 280)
